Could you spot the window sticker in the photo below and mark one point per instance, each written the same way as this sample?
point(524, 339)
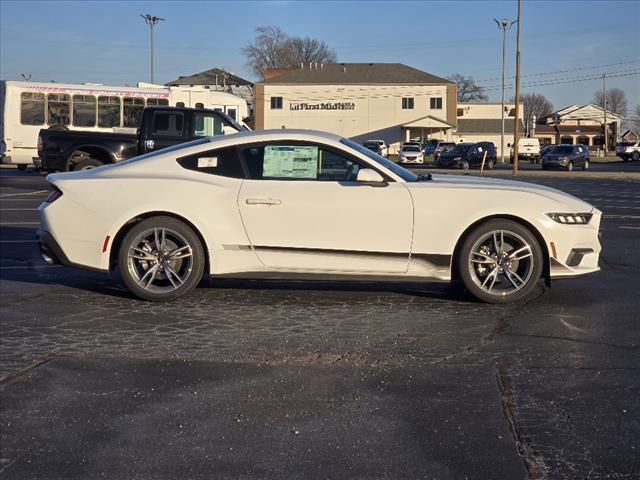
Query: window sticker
point(290, 162)
point(207, 162)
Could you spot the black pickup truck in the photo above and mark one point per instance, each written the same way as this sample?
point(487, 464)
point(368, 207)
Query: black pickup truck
point(60, 149)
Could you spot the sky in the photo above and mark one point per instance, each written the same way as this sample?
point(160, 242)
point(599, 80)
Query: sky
point(565, 45)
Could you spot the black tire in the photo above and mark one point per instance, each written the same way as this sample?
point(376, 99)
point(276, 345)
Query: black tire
point(22, 167)
point(187, 270)
point(476, 275)
point(489, 165)
point(635, 156)
point(570, 167)
point(465, 165)
point(87, 164)
point(585, 165)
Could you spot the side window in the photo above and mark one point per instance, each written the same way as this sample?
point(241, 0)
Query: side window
point(435, 103)
point(232, 112)
point(84, 111)
point(225, 163)
point(168, 124)
point(132, 111)
point(158, 101)
point(407, 103)
point(32, 108)
point(298, 162)
point(206, 125)
point(108, 112)
point(276, 103)
point(58, 111)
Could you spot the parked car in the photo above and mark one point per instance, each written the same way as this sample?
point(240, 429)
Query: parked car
point(628, 151)
point(441, 148)
point(429, 147)
point(381, 149)
point(566, 157)
point(60, 149)
point(468, 155)
point(528, 149)
point(410, 152)
point(228, 206)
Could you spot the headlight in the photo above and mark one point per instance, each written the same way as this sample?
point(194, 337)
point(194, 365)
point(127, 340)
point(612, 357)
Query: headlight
point(571, 218)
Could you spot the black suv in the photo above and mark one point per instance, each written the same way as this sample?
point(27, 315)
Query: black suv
point(566, 157)
point(468, 155)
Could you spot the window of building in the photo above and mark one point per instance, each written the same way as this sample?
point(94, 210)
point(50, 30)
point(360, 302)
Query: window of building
point(84, 111)
point(566, 140)
point(460, 112)
point(232, 112)
point(276, 103)
point(435, 103)
point(180, 104)
point(160, 101)
point(132, 111)
point(407, 103)
point(32, 108)
point(58, 109)
point(206, 125)
point(199, 105)
point(168, 124)
point(225, 163)
point(108, 112)
point(298, 162)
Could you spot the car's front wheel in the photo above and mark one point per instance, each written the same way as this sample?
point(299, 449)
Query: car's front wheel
point(161, 259)
point(500, 261)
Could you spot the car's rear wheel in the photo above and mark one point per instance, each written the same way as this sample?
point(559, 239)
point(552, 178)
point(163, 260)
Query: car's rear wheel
point(465, 165)
point(161, 259)
point(635, 156)
point(570, 167)
point(500, 261)
point(489, 165)
point(585, 165)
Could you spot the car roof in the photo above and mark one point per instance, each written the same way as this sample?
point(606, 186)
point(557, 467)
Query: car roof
point(285, 133)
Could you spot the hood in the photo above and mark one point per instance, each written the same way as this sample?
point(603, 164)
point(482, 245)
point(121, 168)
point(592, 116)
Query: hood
point(571, 203)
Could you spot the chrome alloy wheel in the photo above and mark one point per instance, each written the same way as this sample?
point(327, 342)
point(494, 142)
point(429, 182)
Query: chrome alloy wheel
point(160, 260)
point(501, 262)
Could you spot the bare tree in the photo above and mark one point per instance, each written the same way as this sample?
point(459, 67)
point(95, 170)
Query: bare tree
point(272, 48)
point(535, 105)
point(468, 90)
point(616, 100)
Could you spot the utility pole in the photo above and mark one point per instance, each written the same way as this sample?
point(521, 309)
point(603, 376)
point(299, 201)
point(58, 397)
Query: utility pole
point(151, 21)
point(604, 96)
point(503, 25)
point(516, 129)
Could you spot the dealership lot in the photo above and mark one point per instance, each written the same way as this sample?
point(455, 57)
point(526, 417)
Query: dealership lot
point(258, 379)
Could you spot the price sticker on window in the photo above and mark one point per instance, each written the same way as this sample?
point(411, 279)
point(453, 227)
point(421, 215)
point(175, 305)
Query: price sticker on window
point(207, 162)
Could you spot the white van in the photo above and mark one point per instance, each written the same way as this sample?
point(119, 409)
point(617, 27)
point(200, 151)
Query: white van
point(528, 148)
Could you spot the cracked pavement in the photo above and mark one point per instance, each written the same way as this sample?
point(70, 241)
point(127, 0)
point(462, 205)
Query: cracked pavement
point(258, 379)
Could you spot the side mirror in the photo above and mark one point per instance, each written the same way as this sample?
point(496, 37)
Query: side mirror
point(370, 177)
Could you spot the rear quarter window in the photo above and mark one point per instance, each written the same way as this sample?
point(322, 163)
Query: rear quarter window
point(223, 162)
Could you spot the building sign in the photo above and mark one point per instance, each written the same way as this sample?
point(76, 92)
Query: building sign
point(323, 106)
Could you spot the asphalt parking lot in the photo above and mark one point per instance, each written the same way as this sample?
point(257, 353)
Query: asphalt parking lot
point(258, 379)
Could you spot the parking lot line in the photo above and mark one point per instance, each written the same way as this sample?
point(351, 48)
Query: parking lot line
point(19, 223)
point(18, 209)
point(29, 267)
point(4, 195)
point(18, 241)
point(630, 228)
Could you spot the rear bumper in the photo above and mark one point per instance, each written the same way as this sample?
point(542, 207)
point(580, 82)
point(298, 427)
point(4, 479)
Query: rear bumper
point(53, 254)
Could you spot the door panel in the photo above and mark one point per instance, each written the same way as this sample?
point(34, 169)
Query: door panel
point(328, 225)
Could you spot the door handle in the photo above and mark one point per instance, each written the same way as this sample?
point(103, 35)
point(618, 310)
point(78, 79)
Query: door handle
point(262, 201)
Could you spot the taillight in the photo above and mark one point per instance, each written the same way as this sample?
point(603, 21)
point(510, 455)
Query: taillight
point(54, 195)
point(39, 143)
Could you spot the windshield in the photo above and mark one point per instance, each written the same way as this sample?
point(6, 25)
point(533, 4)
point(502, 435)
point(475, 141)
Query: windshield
point(406, 175)
point(411, 148)
point(563, 150)
point(459, 149)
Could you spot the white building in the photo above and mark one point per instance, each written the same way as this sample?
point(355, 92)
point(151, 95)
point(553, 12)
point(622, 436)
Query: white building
point(482, 122)
point(361, 101)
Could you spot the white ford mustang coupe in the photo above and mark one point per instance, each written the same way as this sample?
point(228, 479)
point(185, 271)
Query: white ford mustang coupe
point(306, 204)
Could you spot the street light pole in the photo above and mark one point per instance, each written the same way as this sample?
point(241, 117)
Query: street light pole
point(516, 126)
point(503, 25)
point(151, 21)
